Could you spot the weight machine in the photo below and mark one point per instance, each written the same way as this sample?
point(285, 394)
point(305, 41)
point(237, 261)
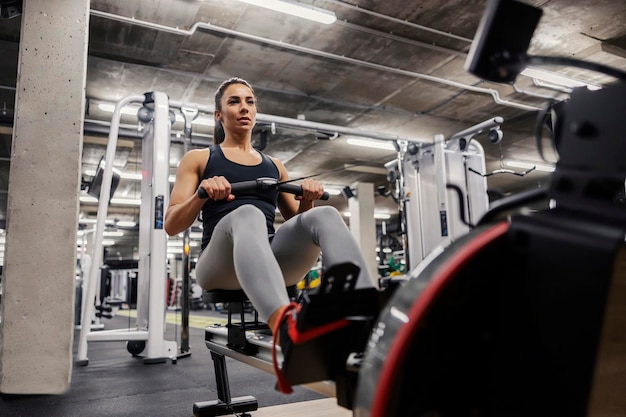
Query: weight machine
point(148, 335)
point(438, 194)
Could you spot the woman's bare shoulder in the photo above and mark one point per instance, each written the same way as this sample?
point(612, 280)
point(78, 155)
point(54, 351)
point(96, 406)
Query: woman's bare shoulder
point(197, 155)
point(194, 160)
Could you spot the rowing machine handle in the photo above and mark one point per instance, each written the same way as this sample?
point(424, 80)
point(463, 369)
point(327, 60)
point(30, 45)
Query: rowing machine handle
point(297, 190)
point(259, 185)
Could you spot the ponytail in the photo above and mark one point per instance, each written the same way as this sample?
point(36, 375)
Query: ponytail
point(218, 133)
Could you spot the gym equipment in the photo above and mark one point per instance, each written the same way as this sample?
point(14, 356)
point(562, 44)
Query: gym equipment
point(263, 185)
point(438, 194)
point(235, 340)
point(524, 314)
point(326, 360)
point(155, 188)
point(515, 318)
point(189, 114)
point(251, 341)
point(443, 198)
point(520, 316)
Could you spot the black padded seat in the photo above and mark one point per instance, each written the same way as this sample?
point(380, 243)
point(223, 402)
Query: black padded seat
point(237, 296)
point(224, 296)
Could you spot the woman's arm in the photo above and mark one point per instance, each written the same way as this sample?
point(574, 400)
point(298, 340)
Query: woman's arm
point(289, 205)
point(184, 204)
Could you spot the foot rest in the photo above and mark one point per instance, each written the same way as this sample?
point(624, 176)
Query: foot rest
point(325, 357)
point(333, 355)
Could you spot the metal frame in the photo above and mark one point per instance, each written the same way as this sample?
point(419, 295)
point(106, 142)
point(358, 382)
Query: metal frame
point(152, 240)
point(433, 213)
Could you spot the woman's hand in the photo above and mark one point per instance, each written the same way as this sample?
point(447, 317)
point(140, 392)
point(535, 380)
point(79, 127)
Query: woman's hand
point(311, 190)
point(217, 188)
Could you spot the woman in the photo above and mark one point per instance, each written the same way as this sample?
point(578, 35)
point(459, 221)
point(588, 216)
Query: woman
point(236, 250)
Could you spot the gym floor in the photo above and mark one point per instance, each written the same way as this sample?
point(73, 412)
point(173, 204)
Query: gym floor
point(115, 384)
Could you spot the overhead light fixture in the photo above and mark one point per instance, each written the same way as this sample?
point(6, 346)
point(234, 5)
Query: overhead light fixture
point(379, 216)
point(332, 191)
point(377, 144)
point(180, 244)
point(126, 223)
point(295, 8)
point(530, 165)
point(114, 201)
point(131, 111)
point(557, 79)
point(113, 233)
point(126, 201)
point(128, 175)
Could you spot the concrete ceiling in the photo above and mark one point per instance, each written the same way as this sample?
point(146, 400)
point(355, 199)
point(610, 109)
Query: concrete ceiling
point(393, 68)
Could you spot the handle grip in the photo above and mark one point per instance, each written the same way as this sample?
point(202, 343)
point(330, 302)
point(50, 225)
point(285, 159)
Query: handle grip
point(202, 193)
point(237, 187)
point(259, 185)
point(297, 190)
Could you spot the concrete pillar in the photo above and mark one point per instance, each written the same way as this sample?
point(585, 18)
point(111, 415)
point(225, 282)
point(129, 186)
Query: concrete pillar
point(363, 224)
point(40, 259)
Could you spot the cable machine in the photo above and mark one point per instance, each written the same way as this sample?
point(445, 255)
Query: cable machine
point(148, 335)
point(443, 197)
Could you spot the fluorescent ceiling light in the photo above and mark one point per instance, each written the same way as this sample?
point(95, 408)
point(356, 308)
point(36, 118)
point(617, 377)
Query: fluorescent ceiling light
point(127, 175)
point(117, 201)
point(111, 233)
point(558, 79)
point(87, 199)
point(377, 144)
point(124, 223)
point(195, 235)
point(108, 222)
point(131, 111)
point(529, 165)
point(126, 201)
point(332, 191)
point(180, 244)
point(295, 8)
point(380, 216)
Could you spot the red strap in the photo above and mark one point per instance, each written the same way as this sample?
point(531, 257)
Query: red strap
point(283, 384)
point(297, 337)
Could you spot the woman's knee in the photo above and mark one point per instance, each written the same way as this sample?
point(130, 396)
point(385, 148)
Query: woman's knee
point(249, 216)
point(325, 214)
point(248, 210)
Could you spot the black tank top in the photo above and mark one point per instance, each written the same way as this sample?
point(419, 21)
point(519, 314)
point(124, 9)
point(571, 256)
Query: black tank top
point(213, 211)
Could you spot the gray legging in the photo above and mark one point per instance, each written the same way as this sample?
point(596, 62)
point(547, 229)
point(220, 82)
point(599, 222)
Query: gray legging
point(240, 255)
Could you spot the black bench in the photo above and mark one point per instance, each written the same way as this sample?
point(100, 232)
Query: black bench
point(234, 302)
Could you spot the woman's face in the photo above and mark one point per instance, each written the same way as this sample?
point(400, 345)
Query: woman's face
point(238, 111)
